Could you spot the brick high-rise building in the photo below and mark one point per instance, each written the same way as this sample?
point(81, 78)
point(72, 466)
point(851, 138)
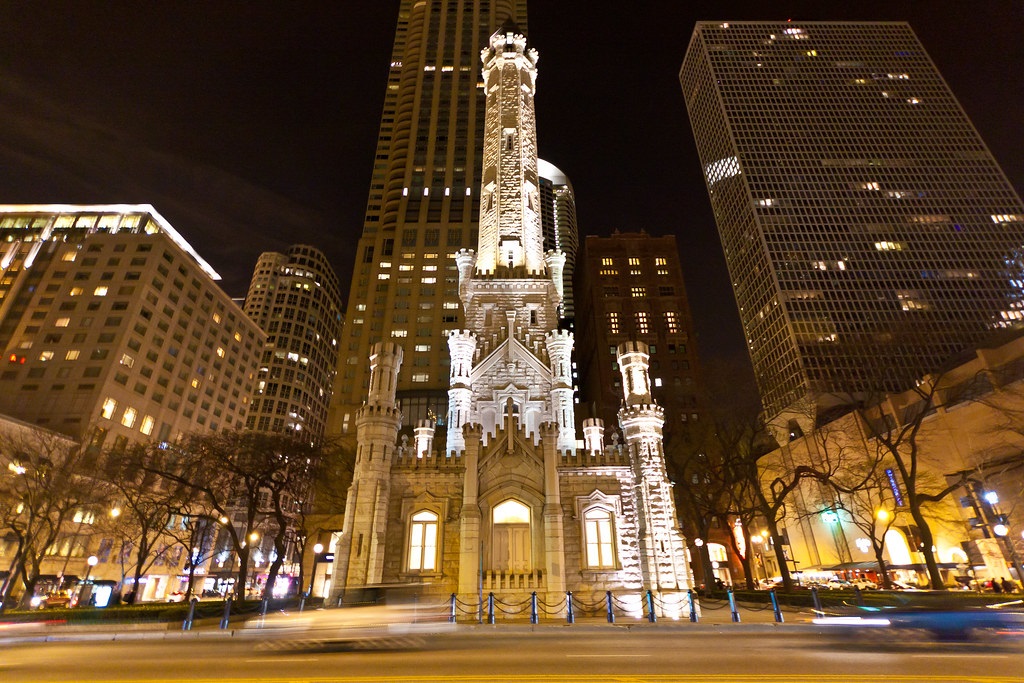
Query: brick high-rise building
point(113, 328)
point(869, 233)
point(631, 286)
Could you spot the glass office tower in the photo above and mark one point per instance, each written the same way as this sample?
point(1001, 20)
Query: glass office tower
point(869, 233)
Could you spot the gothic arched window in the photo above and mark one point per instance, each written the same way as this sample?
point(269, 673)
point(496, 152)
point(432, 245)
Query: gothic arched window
point(599, 533)
point(423, 541)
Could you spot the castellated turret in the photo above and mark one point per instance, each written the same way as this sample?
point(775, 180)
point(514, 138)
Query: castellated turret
point(555, 261)
point(461, 347)
point(360, 550)
point(559, 345)
point(593, 435)
point(510, 224)
point(662, 548)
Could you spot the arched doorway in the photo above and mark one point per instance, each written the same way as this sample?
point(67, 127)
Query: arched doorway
point(510, 537)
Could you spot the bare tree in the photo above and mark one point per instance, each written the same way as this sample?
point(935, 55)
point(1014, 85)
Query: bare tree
point(47, 480)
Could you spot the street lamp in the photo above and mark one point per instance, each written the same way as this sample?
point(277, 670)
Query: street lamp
point(92, 562)
point(317, 549)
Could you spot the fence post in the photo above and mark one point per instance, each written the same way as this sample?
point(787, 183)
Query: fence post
point(775, 606)
point(815, 598)
point(650, 608)
point(533, 608)
point(187, 624)
point(227, 613)
point(451, 612)
point(611, 612)
point(693, 605)
point(490, 608)
point(570, 616)
point(732, 607)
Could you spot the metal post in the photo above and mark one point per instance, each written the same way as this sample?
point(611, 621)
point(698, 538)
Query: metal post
point(490, 608)
point(693, 605)
point(187, 624)
point(858, 595)
point(732, 607)
point(451, 612)
point(611, 612)
point(650, 608)
point(302, 603)
point(815, 598)
point(263, 605)
point(775, 606)
point(570, 617)
point(227, 613)
point(533, 608)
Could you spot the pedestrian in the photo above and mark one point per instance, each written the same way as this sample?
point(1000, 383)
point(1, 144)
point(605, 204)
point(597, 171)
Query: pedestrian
point(1009, 586)
point(996, 588)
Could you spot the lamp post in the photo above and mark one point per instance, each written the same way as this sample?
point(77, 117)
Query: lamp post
point(317, 549)
point(758, 540)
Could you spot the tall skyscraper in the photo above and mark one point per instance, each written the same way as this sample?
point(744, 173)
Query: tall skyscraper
point(294, 298)
point(869, 233)
point(113, 328)
point(558, 221)
point(424, 202)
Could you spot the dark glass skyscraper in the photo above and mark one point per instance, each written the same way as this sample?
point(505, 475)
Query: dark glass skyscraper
point(869, 233)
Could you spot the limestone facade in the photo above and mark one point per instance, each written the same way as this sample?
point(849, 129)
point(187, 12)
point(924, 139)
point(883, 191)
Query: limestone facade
point(511, 504)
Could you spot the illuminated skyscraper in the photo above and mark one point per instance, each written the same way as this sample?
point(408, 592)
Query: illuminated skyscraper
point(294, 298)
point(424, 203)
point(869, 233)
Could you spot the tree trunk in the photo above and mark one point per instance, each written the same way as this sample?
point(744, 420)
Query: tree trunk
point(927, 540)
point(883, 568)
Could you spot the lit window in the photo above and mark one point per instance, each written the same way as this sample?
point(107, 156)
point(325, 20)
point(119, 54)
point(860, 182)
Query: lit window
point(420, 377)
point(383, 276)
point(599, 539)
point(127, 360)
point(109, 406)
point(428, 280)
point(422, 348)
point(671, 322)
point(888, 246)
point(423, 541)
point(451, 305)
point(657, 381)
point(613, 323)
point(220, 352)
point(638, 292)
point(642, 322)
point(634, 261)
point(607, 262)
point(63, 322)
point(46, 355)
point(360, 307)
point(128, 419)
point(216, 318)
point(71, 355)
point(399, 333)
point(100, 291)
point(660, 261)
point(147, 425)
point(405, 267)
point(76, 291)
point(68, 256)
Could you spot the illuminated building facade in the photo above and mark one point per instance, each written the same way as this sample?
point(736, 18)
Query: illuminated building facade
point(510, 503)
point(294, 298)
point(869, 233)
point(113, 328)
point(424, 203)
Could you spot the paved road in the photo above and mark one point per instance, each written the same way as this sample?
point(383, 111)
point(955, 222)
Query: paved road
point(547, 654)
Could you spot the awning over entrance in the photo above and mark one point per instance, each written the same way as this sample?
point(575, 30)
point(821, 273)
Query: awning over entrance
point(873, 566)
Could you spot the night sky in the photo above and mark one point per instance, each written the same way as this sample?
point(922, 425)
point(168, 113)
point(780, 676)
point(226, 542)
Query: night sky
point(252, 126)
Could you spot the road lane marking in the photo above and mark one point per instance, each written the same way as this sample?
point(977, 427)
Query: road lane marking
point(630, 656)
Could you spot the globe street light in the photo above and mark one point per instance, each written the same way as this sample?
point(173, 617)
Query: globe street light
point(317, 549)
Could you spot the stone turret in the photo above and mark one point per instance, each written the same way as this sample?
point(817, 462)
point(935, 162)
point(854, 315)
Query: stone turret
point(559, 345)
point(360, 555)
point(662, 548)
point(461, 347)
point(593, 435)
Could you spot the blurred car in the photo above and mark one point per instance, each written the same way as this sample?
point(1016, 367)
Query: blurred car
point(176, 596)
point(900, 586)
point(377, 616)
point(947, 622)
point(849, 585)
